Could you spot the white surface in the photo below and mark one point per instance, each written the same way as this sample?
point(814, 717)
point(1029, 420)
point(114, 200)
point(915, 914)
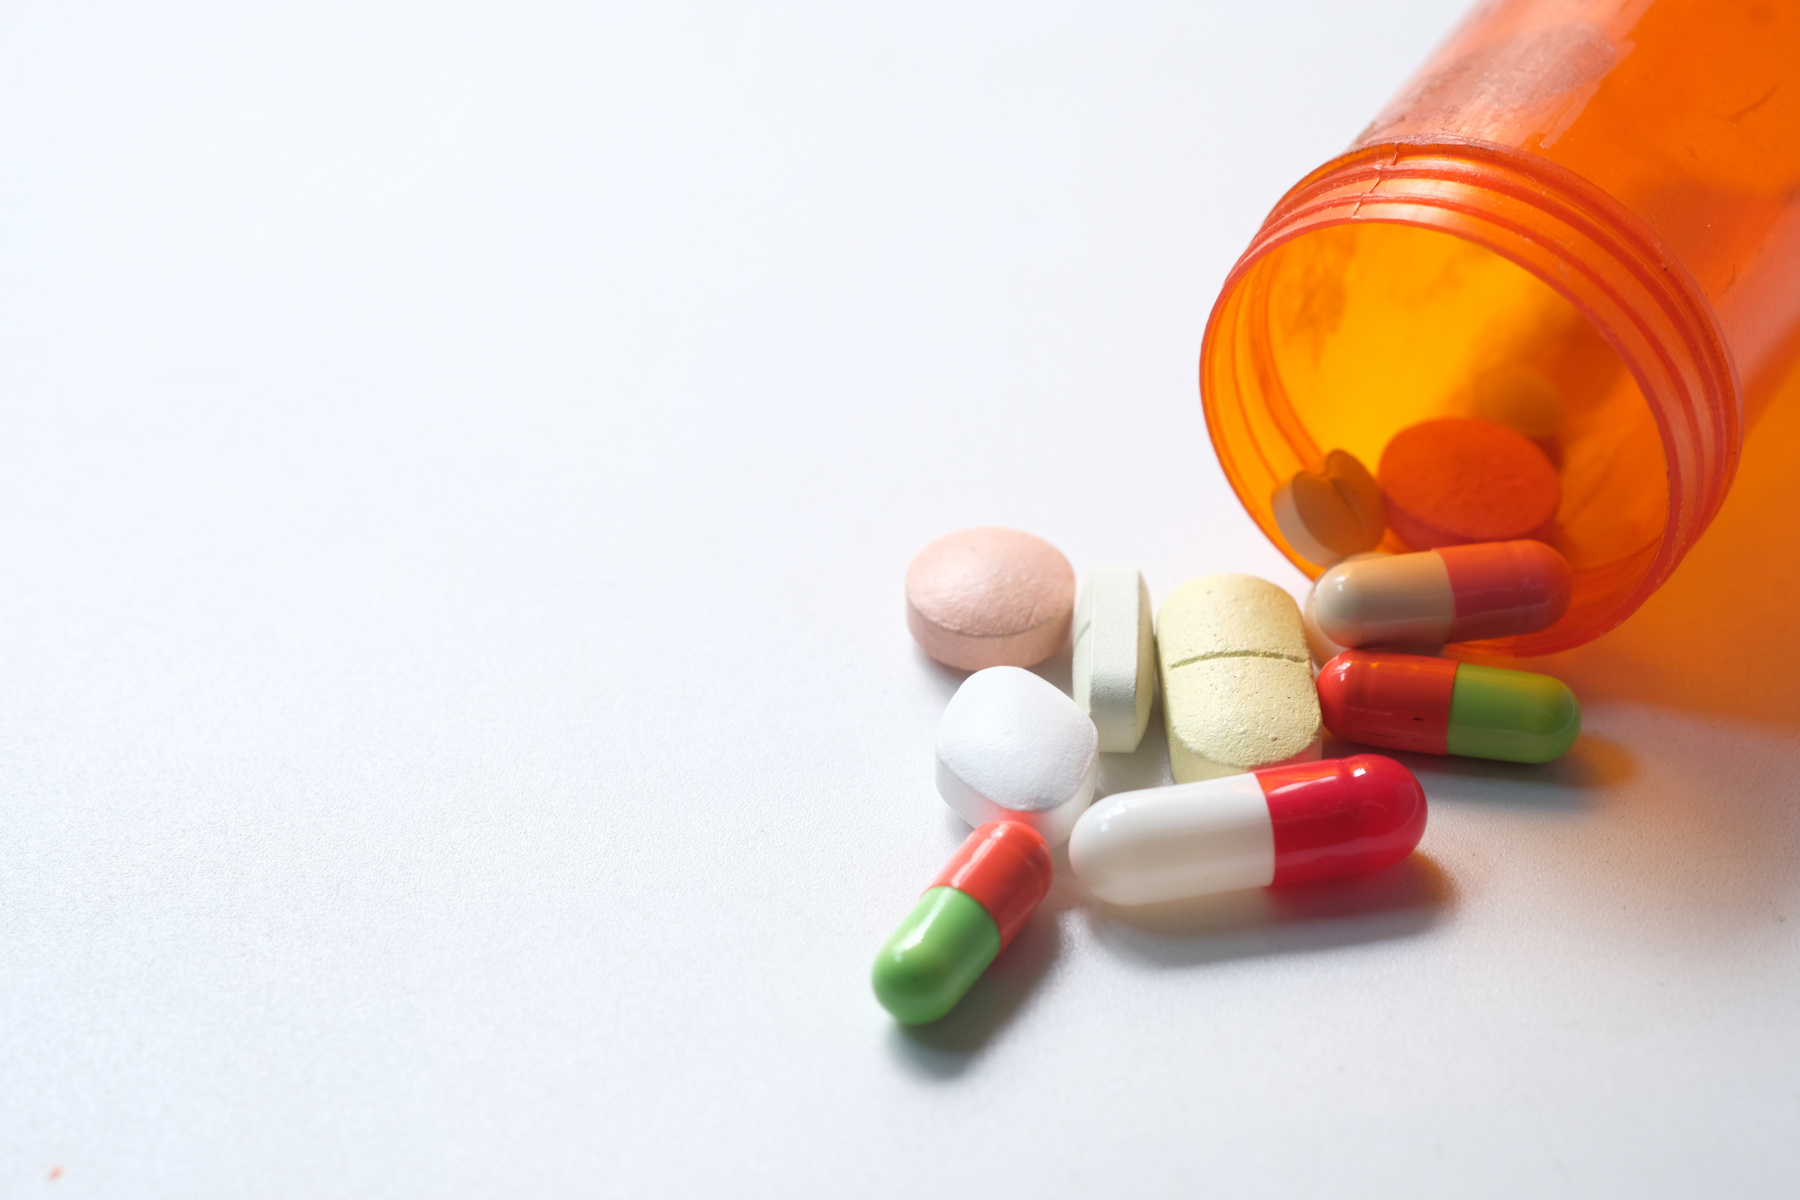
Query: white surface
point(458, 733)
point(1011, 746)
point(1176, 842)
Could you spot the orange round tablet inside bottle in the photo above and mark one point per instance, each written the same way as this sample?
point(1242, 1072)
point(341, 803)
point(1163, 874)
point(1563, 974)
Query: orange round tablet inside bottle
point(1463, 479)
point(1578, 222)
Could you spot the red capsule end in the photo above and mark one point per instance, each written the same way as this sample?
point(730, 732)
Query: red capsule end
point(1342, 816)
point(1005, 867)
point(1400, 701)
point(1504, 588)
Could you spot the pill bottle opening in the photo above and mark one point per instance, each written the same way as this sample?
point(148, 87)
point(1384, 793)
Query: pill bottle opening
point(1405, 283)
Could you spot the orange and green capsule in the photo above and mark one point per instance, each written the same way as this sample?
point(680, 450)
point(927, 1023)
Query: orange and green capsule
point(1440, 706)
point(967, 916)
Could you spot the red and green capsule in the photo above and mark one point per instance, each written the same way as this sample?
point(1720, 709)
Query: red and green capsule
point(967, 916)
point(1441, 706)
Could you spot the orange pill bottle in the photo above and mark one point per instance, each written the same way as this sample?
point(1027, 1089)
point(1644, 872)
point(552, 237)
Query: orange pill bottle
point(1580, 218)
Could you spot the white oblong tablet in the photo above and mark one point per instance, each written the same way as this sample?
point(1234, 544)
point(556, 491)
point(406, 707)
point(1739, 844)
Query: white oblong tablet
point(1012, 747)
point(1168, 843)
point(1115, 656)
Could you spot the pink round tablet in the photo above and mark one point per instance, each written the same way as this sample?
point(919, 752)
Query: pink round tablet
point(990, 598)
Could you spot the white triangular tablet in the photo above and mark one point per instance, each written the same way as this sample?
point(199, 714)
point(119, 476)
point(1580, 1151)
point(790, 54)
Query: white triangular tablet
point(1012, 747)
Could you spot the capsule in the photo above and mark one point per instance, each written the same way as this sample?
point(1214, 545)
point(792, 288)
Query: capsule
point(964, 920)
point(1323, 649)
point(1450, 594)
point(1295, 823)
point(1440, 706)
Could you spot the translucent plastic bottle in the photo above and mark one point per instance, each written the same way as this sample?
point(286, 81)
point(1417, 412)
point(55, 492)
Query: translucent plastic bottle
point(1588, 210)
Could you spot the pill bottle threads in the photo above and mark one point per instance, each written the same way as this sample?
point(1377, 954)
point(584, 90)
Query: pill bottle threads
point(1529, 200)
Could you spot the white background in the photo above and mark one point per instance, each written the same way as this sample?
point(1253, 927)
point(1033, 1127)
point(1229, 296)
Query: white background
point(458, 734)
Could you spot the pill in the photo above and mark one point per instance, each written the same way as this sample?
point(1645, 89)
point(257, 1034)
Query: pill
point(1237, 689)
point(1291, 824)
point(1012, 747)
point(1330, 513)
point(1115, 656)
point(968, 915)
point(1450, 594)
point(1323, 649)
point(989, 598)
point(1464, 479)
point(1440, 706)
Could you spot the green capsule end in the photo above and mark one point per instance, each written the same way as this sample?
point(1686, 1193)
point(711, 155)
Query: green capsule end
point(1514, 716)
point(936, 955)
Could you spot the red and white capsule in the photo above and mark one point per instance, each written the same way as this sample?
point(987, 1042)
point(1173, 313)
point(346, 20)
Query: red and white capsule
point(1289, 824)
point(1450, 594)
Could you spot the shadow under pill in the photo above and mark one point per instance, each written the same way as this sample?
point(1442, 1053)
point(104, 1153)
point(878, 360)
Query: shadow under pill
point(1719, 636)
point(946, 678)
point(1571, 783)
point(1258, 923)
point(1059, 669)
point(1145, 767)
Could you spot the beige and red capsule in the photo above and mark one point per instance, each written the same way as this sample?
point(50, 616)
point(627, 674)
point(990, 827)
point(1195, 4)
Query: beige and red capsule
point(1450, 594)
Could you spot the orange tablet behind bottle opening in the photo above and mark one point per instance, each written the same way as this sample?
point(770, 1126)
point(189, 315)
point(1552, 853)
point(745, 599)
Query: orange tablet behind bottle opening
point(1462, 479)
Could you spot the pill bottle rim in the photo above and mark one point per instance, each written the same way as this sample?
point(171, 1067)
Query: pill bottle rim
point(1578, 240)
